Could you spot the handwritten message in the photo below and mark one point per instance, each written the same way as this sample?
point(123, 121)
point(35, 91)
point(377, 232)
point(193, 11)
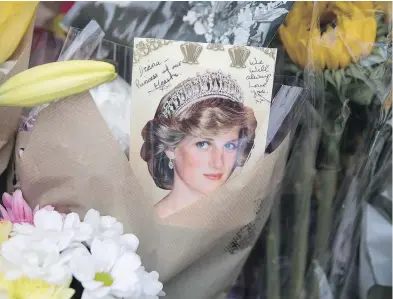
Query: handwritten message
point(157, 75)
point(258, 77)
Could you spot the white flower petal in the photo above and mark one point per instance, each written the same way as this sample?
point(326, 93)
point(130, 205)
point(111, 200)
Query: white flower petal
point(100, 292)
point(13, 274)
point(84, 232)
point(64, 239)
point(152, 288)
point(92, 285)
point(89, 295)
point(48, 220)
point(199, 28)
point(75, 250)
point(130, 241)
point(128, 262)
point(109, 222)
point(86, 295)
point(22, 228)
point(105, 252)
point(92, 217)
point(127, 286)
point(82, 267)
point(110, 234)
point(58, 274)
point(71, 220)
point(152, 275)
point(12, 248)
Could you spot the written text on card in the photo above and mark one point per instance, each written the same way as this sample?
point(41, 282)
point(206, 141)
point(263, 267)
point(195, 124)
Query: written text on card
point(157, 75)
point(258, 79)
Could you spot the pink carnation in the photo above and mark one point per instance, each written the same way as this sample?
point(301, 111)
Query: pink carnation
point(17, 210)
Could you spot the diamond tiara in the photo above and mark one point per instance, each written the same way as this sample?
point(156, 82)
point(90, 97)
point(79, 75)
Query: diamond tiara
point(199, 88)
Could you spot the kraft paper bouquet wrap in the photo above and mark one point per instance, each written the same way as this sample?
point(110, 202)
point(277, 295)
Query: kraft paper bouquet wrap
point(17, 62)
point(68, 155)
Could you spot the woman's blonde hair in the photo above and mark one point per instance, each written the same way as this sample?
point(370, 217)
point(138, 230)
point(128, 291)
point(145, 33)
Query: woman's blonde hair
point(206, 118)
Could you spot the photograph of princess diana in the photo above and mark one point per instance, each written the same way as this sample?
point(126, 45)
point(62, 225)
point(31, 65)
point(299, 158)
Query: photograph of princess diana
point(201, 132)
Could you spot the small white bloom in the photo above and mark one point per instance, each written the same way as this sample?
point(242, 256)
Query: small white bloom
point(200, 28)
point(103, 227)
point(107, 271)
point(81, 231)
point(150, 284)
point(209, 37)
point(65, 231)
point(191, 17)
point(23, 256)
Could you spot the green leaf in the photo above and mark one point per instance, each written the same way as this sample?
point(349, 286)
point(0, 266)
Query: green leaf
point(358, 72)
point(361, 94)
point(382, 31)
point(372, 60)
point(347, 81)
point(339, 77)
point(329, 78)
point(292, 68)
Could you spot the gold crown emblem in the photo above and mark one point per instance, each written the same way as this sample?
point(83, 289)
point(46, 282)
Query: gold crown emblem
point(239, 56)
point(191, 52)
point(215, 47)
point(199, 88)
point(145, 47)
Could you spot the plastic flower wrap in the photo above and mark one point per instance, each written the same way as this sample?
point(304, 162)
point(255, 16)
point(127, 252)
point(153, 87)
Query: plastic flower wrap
point(342, 51)
point(347, 41)
point(347, 32)
point(42, 252)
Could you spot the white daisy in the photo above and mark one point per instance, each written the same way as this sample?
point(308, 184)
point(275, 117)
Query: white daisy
point(65, 232)
point(107, 227)
point(107, 272)
point(22, 256)
point(103, 226)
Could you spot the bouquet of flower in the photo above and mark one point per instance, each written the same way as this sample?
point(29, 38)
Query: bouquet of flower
point(233, 22)
point(43, 251)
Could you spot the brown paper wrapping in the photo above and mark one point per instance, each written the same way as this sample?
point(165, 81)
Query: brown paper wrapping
point(9, 116)
point(71, 161)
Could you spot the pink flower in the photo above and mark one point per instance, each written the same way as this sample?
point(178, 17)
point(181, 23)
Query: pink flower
point(17, 210)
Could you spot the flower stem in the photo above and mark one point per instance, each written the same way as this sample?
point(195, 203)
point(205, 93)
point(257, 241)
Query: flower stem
point(273, 253)
point(303, 181)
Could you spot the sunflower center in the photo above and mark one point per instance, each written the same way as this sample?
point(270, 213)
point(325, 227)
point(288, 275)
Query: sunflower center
point(326, 19)
point(104, 277)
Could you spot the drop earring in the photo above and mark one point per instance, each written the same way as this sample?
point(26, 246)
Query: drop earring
point(170, 164)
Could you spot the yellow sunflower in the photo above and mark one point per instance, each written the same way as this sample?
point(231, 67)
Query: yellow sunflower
point(346, 31)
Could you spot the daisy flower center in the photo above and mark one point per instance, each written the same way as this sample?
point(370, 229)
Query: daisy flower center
point(104, 277)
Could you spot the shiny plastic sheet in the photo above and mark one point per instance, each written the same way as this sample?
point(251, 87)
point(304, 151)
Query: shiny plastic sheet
point(311, 245)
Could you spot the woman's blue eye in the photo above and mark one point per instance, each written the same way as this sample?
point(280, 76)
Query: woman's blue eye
point(202, 144)
point(230, 146)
